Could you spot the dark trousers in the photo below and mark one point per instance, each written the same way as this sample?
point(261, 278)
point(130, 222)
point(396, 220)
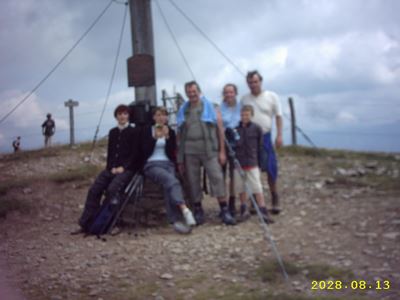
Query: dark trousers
point(105, 182)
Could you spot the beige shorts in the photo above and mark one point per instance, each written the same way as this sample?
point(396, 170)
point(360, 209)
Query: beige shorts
point(253, 179)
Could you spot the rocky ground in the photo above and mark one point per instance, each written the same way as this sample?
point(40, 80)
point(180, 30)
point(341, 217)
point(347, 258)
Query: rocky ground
point(341, 222)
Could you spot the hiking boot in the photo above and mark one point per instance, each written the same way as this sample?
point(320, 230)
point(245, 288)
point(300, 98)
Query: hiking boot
point(276, 209)
point(244, 214)
point(181, 228)
point(189, 219)
point(199, 215)
point(227, 217)
point(265, 215)
point(231, 206)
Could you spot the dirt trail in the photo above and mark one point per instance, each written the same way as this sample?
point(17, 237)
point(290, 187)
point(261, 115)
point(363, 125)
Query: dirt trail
point(341, 221)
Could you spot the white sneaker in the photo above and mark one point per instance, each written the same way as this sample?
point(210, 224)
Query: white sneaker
point(187, 214)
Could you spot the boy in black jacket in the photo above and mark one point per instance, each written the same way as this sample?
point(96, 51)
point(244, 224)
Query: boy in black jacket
point(248, 154)
point(122, 163)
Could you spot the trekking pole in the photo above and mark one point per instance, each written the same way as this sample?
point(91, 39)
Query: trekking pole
point(134, 186)
point(264, 225)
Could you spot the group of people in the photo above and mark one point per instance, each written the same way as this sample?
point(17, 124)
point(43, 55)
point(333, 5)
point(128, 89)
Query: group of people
point(206, 137)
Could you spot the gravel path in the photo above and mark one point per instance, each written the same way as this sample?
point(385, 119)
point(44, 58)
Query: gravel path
point(338, 212)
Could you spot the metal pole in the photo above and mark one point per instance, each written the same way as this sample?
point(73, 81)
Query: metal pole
point(164, 98)
point(71, 122)
point(249, 192)
point(293, 121)
point(142, 42)
point(71, 104)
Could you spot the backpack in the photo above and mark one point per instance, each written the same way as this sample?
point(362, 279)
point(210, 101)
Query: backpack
point(111, 209)
point(104, 217)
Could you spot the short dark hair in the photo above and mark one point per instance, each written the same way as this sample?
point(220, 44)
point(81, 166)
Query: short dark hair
point(250, 75)
point(120, 109)
point(232, 85)
point(248, 108)
point(190, 83)
point(162, 109)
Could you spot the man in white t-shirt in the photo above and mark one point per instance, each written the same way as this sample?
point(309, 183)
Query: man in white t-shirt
point(266, 106)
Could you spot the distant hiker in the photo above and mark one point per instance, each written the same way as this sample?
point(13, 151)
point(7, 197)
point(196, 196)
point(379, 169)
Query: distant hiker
point(122, 160)
point(230, 111)
point(266, 105)
point(201, 143)
point(48, 130)
point(158, 148)
point(17, 144)
point(248, 152)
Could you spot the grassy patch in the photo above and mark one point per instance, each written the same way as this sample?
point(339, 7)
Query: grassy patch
point(343, 181)
point(87, 146)
point(238, 292)
point(382, 182)
point(304, 297)
point(57, 150)
point(8, 205)
point(323, 152)
point(191, 282)
point(300, 150)
point(144, 291)
point(32, 154)
point(271, 271)
point(85, 171)
point(323, 271)
point(9, 184)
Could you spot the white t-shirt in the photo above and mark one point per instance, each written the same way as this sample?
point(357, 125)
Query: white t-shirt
point(266, 105)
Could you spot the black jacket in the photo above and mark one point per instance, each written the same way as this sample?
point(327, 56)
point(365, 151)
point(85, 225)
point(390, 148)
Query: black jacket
point(123, 149)
point(148, 143)
point(249, 145)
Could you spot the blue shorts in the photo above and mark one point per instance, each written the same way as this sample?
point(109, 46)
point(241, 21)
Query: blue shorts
point(268, 162)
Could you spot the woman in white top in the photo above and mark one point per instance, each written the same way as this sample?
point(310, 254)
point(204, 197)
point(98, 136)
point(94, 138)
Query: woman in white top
point(158, 145)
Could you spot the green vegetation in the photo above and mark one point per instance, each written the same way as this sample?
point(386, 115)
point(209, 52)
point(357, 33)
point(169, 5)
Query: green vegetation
point(8, 205)
point(86, 146)
point(144, 291)
point(304, 297)
point(382, 182)
point(32, 154)
point(323, 153)
point(191, 282)
point(323, 271)
point(242, 293)
point(54, 151)
point(270, 271)
point(83, 172)
point(7, 185)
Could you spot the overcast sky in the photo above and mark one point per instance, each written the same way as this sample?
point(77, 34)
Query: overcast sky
point(339, 60)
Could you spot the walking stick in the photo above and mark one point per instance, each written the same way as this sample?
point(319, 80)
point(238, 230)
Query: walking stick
point(135, 186)
point(264, 225)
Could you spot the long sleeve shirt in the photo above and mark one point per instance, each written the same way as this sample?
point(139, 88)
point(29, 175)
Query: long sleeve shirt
point(123, 149)
point(249, 145)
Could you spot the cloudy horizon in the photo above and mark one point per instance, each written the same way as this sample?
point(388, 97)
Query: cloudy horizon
point(339, 60)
